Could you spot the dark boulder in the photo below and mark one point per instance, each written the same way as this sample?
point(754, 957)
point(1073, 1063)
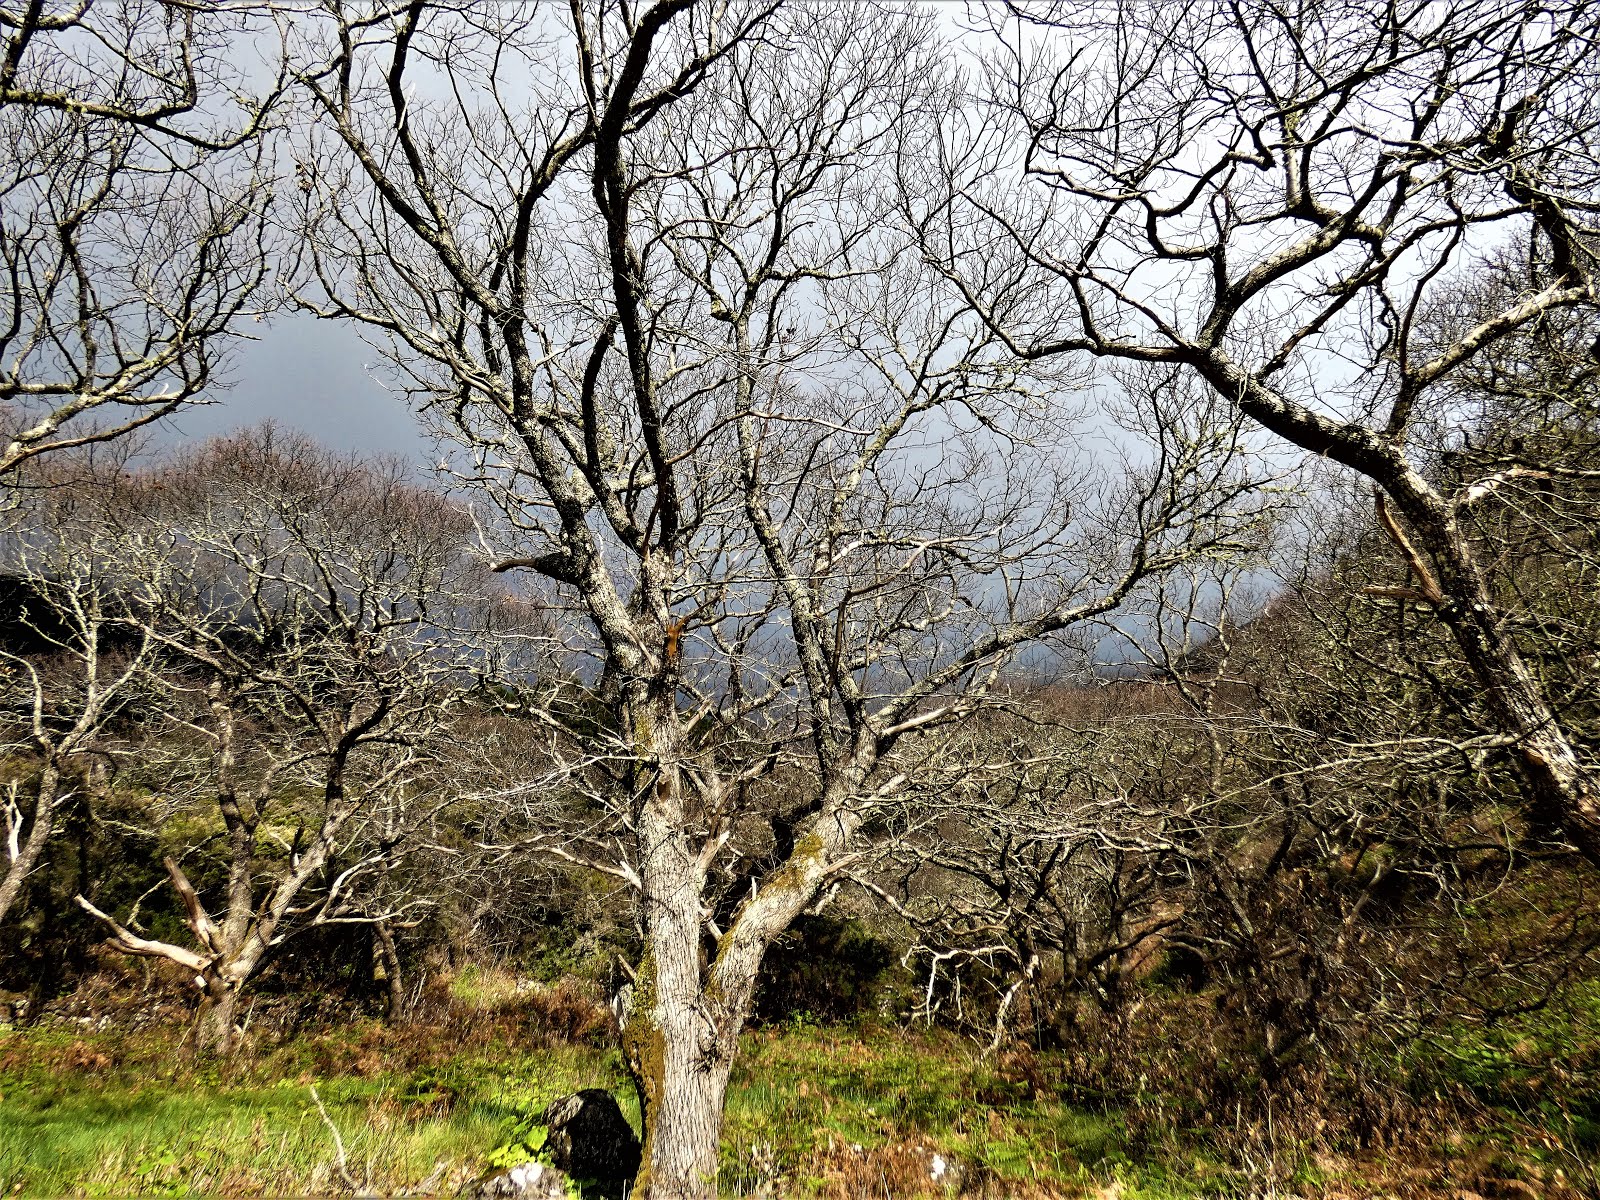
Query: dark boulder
point(590, 1139)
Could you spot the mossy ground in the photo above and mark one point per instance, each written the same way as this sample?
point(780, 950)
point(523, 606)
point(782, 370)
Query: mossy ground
point(813, 1110)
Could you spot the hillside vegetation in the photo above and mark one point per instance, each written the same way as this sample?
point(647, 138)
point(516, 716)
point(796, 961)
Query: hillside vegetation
point(1002, 603)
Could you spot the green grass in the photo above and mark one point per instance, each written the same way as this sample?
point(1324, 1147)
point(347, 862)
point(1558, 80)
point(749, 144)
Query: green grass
point(812, 1112)
point(103, 1115)
point(822, 1102)
point(823, 1110)
point(212, 1141)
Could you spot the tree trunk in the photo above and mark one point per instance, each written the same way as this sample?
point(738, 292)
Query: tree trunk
point(683, 1034)
point(681, 1054)
point(214, 1023)
point(24, 853)
point(1457, 587)
point(1556, 776)
point(387, 971)
point(683, 1031)
point(679, 1040)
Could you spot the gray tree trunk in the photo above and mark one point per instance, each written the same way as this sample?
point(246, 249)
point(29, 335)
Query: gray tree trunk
point(30, 849)
point(682, 1066)
point(389, 972)
point(1453, 581)
point(1556, 777)
point(679, 1045)
point(215, 1026)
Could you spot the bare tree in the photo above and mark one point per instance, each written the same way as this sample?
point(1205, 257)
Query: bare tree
point(310, 612)
point(134, 243)
point(68, 666)
point(643, 266)
point(1026, 880)
point(1284, 202)
point(1075, 856)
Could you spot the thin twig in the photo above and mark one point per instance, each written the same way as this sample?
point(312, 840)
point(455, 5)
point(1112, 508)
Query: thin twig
point(338, 1142)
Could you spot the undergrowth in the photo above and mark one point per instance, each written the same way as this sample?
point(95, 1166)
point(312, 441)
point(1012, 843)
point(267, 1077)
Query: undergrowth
point(813, 1110)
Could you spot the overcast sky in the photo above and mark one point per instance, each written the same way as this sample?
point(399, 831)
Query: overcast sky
point(312, 376)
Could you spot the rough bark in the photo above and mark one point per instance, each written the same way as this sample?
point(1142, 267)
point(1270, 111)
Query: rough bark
point(1555, 774)
point(24, 853)
point(216, 1021)
point(680, 1048)
point(682, 1035)
point(679, 1041)
point(389, 973)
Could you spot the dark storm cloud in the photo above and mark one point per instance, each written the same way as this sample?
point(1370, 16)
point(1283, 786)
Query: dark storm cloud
point(314, 376)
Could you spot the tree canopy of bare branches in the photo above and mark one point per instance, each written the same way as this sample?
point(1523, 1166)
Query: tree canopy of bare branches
point(1285, 203)
point(314, 619)
point(134, 244)
point(644, 266)
point(68, 666)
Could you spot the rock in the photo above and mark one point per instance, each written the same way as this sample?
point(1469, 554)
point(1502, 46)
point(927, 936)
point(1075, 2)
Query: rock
point(940, 1169)
point(591, 1140)
point(944, 1172)
point(531, 1181)
point(13, 1007)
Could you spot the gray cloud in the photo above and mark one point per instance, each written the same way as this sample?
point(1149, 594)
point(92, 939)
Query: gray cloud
point(314, 376)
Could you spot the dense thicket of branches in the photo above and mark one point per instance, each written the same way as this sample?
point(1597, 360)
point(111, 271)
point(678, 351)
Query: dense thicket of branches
point(1110, 496)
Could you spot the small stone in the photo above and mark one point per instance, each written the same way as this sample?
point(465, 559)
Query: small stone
point(947, 1173)
point(531, 1181)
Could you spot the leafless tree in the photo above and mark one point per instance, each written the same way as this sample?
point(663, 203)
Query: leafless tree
point(134, 244)
point(310, 611)
point(68, 666)
point(1303, 814)
point(1070, 861)
point(1025, 881)
point(642, 264)
point(1286, 203)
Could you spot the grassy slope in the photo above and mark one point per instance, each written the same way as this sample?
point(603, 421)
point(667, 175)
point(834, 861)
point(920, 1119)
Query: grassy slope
point(104, 1114)
point(812, 1111)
